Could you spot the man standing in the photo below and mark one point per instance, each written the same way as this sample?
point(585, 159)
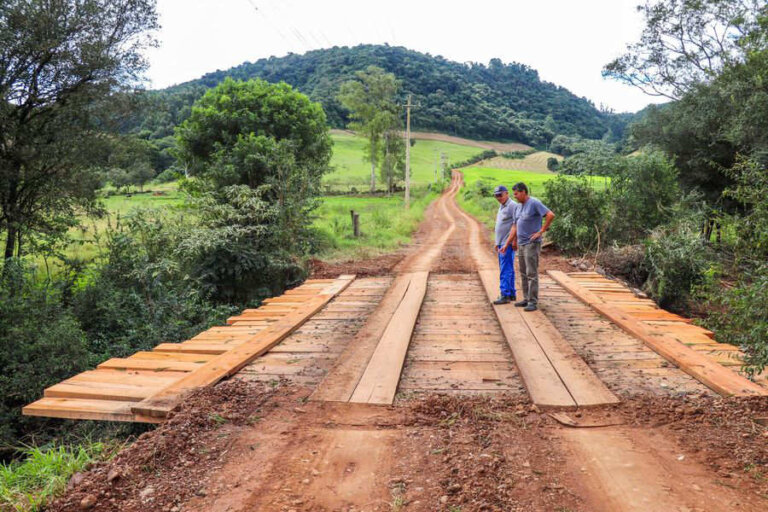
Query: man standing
point(527, 233)
point(505, 220)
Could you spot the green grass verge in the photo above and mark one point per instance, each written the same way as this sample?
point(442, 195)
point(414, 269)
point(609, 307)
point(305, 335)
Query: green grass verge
point(43, 473)
point(385, 224)
point(351, 170)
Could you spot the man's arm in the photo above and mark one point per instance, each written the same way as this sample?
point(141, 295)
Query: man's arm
point(548, 217)
point(511, 240)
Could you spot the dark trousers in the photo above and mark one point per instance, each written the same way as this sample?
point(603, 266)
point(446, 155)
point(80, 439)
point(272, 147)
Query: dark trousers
point(507, 272)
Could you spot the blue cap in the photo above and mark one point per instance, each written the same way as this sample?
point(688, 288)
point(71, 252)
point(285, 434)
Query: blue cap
point(499, 189)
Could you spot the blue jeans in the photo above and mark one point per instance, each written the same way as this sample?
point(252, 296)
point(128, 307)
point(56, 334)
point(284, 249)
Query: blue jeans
point(507, 272)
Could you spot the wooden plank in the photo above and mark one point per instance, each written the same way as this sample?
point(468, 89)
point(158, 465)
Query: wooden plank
point(83, 409)
point(130, 363)
point(344, 377)
point(212, 348)
point(378, 384)
point(100, 391)
point(169, 356)
point(161, 403)
point(699, 366)
point(584, 386)
point(544, 385)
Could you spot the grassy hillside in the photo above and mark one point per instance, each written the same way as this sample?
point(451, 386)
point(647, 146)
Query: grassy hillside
point(351, 170)
point(535, 162)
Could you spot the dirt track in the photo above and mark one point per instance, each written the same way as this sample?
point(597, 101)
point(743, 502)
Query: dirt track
point(478, 444)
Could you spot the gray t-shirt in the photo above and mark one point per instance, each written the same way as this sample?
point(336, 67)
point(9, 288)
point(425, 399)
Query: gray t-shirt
point(529, 220)
point(505, 218)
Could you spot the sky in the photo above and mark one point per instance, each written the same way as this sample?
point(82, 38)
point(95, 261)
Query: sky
point(567, 41)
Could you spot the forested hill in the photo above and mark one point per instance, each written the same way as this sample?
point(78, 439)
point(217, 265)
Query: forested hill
point(495, 101)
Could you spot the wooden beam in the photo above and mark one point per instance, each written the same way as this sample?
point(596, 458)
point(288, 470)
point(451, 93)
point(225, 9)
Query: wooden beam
point(378, 384)
point(343, 378)
point(161, 403)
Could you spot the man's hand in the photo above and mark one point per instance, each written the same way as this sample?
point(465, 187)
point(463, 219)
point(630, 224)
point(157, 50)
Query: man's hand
point(503, 250)
point(536, 235)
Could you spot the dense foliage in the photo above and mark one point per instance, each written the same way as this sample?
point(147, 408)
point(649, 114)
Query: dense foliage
point(59, 64)
point(495, 101)
point(258, 151)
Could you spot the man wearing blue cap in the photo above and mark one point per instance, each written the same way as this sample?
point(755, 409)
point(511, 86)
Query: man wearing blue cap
point(506, 217)
point(532, 221)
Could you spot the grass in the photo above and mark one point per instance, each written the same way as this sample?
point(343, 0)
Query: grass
point(351, 170)
point(43, 473)
point(384, 224)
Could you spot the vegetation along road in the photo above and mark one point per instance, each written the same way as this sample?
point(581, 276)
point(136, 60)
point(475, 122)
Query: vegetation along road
point(271, 287)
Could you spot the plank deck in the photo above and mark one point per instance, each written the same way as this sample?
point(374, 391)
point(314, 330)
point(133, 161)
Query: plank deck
point(147, 385)
point(688, 347)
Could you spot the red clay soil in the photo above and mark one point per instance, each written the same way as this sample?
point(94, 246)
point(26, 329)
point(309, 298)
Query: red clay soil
point(730, 435)
point(378, 266)
point(167, 466)
point(243, 447)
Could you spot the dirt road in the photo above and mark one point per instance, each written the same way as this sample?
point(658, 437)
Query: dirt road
point(462, 434)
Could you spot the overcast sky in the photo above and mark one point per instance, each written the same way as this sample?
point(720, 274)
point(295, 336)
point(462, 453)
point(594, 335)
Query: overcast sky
point(566, 41)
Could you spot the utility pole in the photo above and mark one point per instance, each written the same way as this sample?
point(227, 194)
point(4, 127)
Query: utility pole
point(408, 153)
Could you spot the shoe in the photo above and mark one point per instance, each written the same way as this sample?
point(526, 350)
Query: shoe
point(530, 307)
point(503, 299)
point(521, 304)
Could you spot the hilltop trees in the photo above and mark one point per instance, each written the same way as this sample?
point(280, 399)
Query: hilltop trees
point(372, 102)
point(59, 62)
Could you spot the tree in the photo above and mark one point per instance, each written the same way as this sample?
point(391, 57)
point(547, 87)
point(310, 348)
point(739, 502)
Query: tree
point(59, 63)
point(686, 43)
point(259, 151)
point(371, 101)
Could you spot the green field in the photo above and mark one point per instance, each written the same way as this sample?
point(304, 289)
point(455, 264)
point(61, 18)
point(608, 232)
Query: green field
point(485, 208)
point(384, 224)
point(351, 170)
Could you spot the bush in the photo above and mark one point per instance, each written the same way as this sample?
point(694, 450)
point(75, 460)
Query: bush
point(485, 155)
point(643, 196)
point(42, 344)
point(738, 315)
point(677, 259)
point(168, 176)
point(553, 164)
point(582, 214)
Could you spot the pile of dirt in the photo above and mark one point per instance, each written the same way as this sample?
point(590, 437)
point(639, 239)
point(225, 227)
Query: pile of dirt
point(377, 266)
point(731, 434)
point(167, 466)
point(482, 454)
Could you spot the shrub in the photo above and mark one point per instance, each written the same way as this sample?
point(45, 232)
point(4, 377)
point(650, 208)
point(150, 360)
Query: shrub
point(677, 259)
point(168, 176)
point(553, 164)
point(582, 214)
point(739, 316)
point(643, 196)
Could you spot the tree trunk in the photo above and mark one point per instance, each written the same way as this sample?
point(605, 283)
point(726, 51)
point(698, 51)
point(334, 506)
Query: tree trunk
point(373, 175)
point(387, 166)
point(10, 241)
